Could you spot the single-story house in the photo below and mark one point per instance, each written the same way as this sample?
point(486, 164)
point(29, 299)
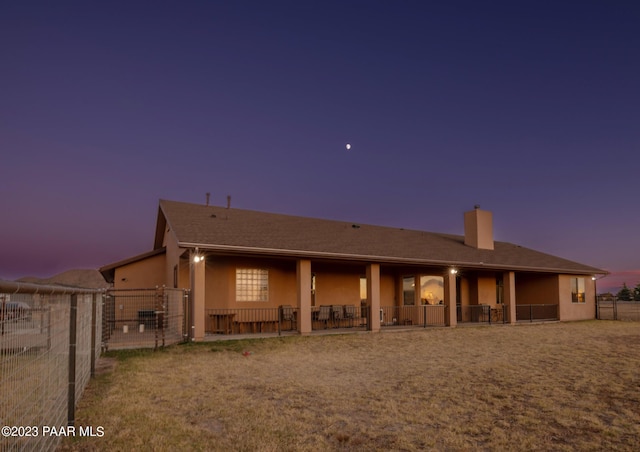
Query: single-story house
point(236, 260)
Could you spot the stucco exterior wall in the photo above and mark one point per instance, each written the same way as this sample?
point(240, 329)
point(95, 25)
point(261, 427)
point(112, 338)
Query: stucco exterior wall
point(576, 311)
point(487, 289)
point(220, 283)
point(464, 295)
point(337, 287)
point(141, 274)
point(387, 290)
point(172, 260)
point(478, 289)
point(537, 289)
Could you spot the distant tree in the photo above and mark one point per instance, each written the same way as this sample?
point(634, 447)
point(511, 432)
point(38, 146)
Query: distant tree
point(636, 292)
point(625, 293)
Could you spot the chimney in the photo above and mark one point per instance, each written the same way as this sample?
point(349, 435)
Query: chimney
point(228, 201)
point(478, 229)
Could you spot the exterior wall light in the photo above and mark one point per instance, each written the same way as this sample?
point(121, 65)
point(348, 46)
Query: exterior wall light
point(197, 259)
point(454, 271)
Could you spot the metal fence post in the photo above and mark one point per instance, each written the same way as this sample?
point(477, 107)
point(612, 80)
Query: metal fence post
point(185, 315)
point(279, 320)
point(71, 396)
point(158, 313)
point(94, 330)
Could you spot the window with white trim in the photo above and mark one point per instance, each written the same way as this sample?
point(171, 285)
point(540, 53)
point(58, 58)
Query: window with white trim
point(252, 284)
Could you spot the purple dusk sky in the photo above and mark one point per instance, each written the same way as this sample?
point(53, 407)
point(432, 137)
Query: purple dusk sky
point(529, 108)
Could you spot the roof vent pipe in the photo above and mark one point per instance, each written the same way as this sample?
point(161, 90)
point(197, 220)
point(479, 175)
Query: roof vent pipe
point(208, 196)
point(228, 201)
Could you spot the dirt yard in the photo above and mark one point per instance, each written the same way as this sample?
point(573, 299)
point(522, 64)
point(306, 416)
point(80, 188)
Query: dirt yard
point(573, 386)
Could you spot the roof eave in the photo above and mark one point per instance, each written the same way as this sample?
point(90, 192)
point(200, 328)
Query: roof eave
point(108, 271)
point(384, 259)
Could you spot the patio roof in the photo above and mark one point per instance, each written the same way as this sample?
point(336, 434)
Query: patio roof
point(233, 230)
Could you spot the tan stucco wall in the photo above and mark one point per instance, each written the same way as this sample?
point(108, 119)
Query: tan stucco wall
point(555, 289)
point(537, 289)
point(387, 290)
point(141, 274)
point(487, 290)
point(337, 287)
point(576, 311)
point(478, 289)
point(465, 297)
point(220, 283)
point(173, 258)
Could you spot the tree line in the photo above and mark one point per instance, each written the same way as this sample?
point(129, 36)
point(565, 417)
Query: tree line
point(627, 294)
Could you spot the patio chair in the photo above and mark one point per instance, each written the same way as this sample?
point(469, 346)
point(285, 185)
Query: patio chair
point(350, 313)
point(324, 315)
point(337, 314)
point(287, 314)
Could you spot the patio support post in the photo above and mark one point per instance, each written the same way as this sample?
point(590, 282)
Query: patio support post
point(509, 279)
point(198, 296)
point(373, 296)
point(303, 272)
point(451, 316)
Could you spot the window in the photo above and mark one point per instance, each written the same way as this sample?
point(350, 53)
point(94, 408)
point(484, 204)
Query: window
point(409, 290)
point(363, 289)
point(577, 290)
point(252, 284)
point(431, 289)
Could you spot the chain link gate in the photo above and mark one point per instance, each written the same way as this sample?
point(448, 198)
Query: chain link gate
point(144, 318)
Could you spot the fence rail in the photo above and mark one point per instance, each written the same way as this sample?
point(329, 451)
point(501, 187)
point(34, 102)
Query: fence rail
point(283, 319)
point(536, 312)
point(249, 321)
point(49, 343)
point(423, 315)
point(339, 316)
point(482, 313)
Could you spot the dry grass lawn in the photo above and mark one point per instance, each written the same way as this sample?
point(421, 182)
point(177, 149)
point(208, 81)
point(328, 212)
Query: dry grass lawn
point(572, 386)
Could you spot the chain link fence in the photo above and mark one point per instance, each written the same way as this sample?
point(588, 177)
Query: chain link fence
point(137, 318)
point(49, 343)
point(610, 308)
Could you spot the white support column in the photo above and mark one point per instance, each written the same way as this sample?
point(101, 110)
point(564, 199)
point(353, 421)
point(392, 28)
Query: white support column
point(451, 316)
point(303, 272)
point(509, 281)
point(198, 294)
point(373, 296)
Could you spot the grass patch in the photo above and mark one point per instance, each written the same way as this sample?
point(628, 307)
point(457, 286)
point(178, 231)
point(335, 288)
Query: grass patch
point(572, 386)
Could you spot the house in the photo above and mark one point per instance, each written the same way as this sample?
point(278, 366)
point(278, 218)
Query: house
point(238, 261)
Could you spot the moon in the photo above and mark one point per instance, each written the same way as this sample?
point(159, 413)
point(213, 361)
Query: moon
point(348, 146)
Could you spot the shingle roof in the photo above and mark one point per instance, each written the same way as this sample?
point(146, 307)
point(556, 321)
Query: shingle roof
point(246, 231)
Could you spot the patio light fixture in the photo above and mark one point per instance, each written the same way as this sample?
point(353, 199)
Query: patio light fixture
point(198, 257)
